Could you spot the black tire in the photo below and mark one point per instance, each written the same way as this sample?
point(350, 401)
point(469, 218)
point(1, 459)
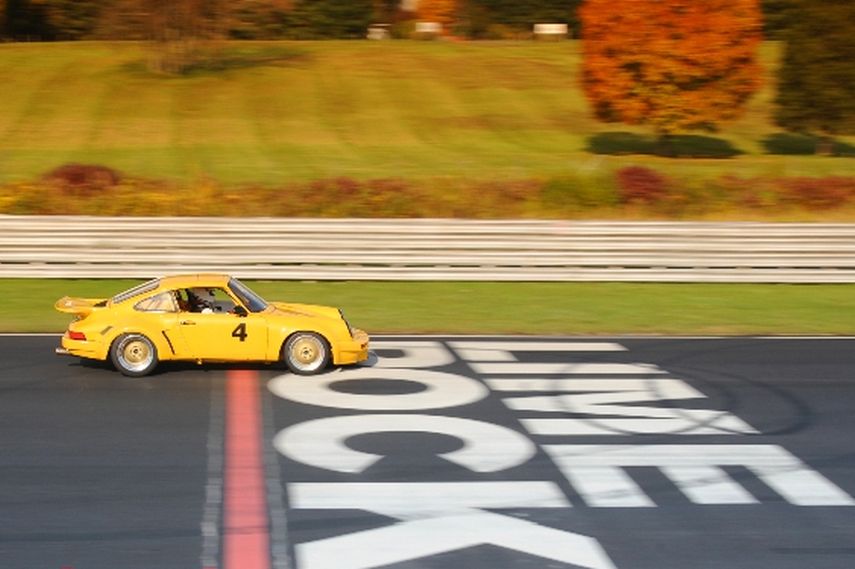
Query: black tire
point(306, 353)
point(134, 355)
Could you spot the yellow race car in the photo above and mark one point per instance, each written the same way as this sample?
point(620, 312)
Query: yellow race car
point(207, 318)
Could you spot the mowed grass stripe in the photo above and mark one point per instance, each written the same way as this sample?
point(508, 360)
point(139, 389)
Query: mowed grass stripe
point(323, 109)
point(21, 85)
point(427, 105)
point(441, 113)
point(500, 102)
point(62, 110)
point(29, 124)
point(330, 113)
point(251, 149)
point(488, 115)
point(383, 123)
point(134, 114)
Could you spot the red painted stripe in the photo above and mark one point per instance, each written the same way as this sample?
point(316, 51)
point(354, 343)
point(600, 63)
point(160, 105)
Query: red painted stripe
point(246, 540)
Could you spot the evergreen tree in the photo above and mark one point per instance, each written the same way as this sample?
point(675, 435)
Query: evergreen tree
point(259, 19)
point(482, 15)
point(25, 20)
point(332, 19)
point(180, 34)
point(816, 80)
point(71, 19)
point(386, 11)
point(776, 17)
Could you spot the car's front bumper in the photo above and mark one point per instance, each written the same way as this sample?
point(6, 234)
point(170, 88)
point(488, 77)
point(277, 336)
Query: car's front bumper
point(354, 350)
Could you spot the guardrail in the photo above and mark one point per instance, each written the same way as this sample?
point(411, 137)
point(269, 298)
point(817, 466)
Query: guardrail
point(426, 249)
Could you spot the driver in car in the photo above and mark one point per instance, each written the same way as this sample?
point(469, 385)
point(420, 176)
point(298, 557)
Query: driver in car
point(201, 300)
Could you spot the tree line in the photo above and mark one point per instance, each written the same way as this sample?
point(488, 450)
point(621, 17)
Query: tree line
point(52, 20)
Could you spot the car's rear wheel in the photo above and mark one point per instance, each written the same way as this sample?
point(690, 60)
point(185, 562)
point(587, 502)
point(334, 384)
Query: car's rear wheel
point(133, 355)
point(306, 353)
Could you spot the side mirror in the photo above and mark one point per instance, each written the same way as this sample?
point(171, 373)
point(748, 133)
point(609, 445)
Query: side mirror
point(240, 311)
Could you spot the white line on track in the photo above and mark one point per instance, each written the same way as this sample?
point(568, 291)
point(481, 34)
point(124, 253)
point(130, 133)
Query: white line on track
point(275, 495)
point(214, 486)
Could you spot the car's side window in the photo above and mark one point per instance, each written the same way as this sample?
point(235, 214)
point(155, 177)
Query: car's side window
point(222, 302)
point(205, 300)
point(182, 298)
point(163, 302)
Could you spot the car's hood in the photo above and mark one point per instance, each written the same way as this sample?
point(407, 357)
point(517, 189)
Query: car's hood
point(79, 306)
point(308, 310)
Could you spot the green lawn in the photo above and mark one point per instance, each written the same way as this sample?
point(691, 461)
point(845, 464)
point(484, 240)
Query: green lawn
point(511, 308)
point(404, 109)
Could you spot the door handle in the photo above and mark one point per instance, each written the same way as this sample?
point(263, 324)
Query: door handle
point(187, 323)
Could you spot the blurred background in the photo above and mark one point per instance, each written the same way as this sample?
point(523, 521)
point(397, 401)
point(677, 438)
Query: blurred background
point(565, 110)
point(455, 108)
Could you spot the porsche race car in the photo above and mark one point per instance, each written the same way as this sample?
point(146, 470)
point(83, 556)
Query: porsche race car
point(207, 318)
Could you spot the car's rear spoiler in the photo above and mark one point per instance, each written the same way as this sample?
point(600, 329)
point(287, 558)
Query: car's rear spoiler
point(79, 306)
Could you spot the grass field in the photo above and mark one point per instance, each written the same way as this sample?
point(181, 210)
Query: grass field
point(510, 308)
point(297, 111)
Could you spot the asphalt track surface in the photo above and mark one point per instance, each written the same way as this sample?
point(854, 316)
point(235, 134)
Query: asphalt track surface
point(620, 453)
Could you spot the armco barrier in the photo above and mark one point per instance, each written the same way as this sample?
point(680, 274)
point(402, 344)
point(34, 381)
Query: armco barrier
point(426, 249)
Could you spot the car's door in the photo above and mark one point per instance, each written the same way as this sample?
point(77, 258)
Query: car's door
point(224, 336)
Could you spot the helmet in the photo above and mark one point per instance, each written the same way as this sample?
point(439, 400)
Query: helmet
point(200, 298)
point(201, 293)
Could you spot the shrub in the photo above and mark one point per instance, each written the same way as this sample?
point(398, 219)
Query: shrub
point(578, 193)
point(391, 197)
point(758, 193)
point(819, 193)
point(637, 184)
point(498, 198)
point(641, 191)
point(83, 179)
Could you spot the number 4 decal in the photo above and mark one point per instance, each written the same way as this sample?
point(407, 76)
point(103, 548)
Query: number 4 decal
point(240, 332)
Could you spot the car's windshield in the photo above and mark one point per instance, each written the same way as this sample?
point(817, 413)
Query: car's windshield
point(137, 290)
point(251, 300)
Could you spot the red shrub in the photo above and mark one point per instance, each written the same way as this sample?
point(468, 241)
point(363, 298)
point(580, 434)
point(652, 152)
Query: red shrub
point(637, 184)
point(819, 193)
point(83, 179)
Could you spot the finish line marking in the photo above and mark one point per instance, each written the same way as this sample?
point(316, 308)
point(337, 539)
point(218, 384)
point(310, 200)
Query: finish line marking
point(246, 539)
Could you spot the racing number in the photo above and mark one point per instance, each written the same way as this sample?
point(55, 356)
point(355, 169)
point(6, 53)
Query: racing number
point(240, 332)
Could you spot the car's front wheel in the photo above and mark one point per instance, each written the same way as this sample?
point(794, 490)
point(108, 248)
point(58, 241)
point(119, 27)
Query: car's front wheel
point(306, 353)
point(134, 355)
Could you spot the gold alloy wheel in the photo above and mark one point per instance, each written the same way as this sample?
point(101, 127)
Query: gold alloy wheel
point(135, 353)
point(307, 352)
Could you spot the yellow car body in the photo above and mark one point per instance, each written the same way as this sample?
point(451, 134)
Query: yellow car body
point(166, 319)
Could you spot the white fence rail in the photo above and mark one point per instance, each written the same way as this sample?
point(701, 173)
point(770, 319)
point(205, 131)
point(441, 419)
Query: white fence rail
point(426, 249)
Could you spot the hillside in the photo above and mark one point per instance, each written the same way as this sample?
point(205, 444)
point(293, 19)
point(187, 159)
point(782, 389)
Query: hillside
point(278, 112)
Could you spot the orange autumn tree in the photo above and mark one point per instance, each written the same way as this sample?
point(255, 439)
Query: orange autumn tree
point(672, 65)
point(440, 11)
